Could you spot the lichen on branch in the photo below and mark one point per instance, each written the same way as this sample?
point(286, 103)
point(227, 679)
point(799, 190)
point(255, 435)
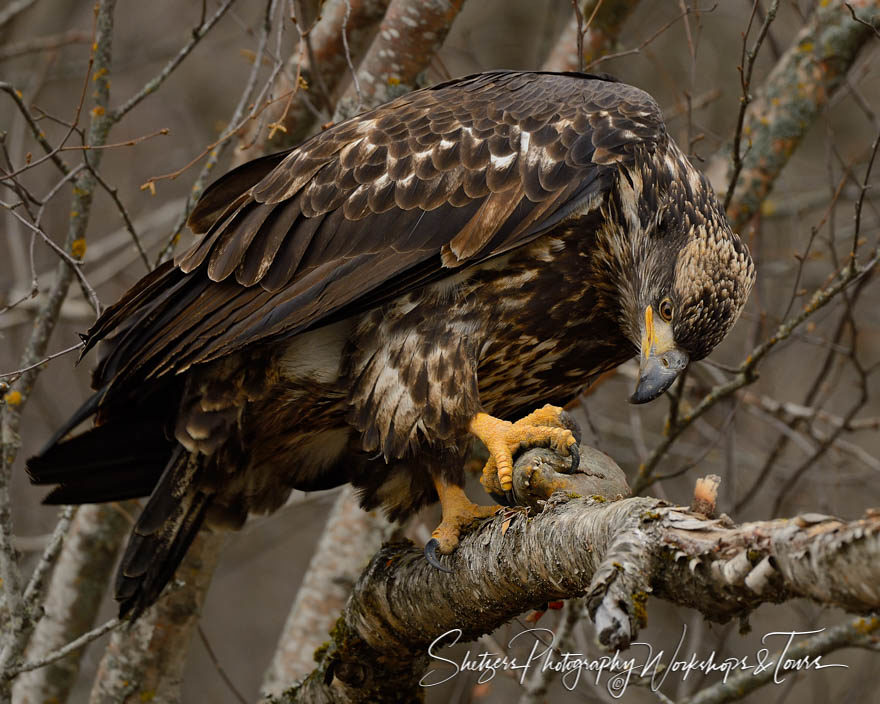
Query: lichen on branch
point(615, 553)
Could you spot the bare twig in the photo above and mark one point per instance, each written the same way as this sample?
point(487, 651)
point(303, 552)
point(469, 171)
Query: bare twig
point(410, 33)
point(872, 26)
point(802, 81)
point(35, 130)
point(114, 194)
point(638, 49)
point(354, 77)
point(69, 258)
point(854, 633)
point(71, 647)
point(227, 680)
point(573, 49)
point(36, 44)
point(747, 65)
point(153, 84)
point(217, 149)
point(21, 621)
point(18, 372)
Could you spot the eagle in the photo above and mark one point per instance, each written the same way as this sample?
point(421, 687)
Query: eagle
point(361, 308)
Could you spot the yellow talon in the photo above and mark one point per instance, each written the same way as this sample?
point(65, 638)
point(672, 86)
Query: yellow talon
point(458, 511)
point(502, 438)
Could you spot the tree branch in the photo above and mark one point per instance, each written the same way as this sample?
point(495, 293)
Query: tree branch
point(599, 39)
point(789, 101)
point(852, 633)
point(408, 37)
point(78, 585)
point(146, 659)
point(350, 537)
point(329, 67)
point(23, 621)
point(614, 552)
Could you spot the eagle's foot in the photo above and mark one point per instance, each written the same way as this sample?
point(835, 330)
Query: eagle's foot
point(458, 512)
point(541, 428)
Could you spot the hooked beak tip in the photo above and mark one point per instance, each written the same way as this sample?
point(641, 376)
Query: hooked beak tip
point(657, 373)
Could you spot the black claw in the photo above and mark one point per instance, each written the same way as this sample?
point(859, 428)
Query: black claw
point(511, 499)
point(575, 454)
point(431, 555)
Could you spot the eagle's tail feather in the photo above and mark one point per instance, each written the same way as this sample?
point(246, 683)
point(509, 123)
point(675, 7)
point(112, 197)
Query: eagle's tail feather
point(112, 462)
point(163, 533)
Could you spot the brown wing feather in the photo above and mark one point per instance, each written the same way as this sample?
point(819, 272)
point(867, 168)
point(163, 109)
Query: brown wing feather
point(466, 170)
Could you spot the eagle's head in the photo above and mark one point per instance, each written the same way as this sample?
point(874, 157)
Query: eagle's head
point(695, 275)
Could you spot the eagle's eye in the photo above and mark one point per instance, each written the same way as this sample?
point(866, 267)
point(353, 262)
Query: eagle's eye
point(665, 309)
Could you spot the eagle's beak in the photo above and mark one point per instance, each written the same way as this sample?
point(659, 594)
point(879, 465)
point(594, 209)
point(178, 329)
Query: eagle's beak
point(660, 361)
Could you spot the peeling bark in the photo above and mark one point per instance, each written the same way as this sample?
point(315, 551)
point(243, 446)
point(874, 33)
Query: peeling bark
point(616, 553)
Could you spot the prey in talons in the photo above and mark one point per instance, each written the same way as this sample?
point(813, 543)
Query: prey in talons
point(503, 439)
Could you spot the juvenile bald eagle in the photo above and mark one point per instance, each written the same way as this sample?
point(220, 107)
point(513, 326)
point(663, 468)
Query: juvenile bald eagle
point(359, 308)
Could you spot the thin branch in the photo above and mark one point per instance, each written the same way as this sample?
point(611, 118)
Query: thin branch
point(101, 96)
point(574, 48)
point(230, 685)
point(747, 65)
point(856, 633)
point(37, 44)
point(217, 149)
point(399, 54)
point(870, 25)
point(129, 226)
point(153, 84)
point(638, 50)
point(36, 588)
point(21, 622)
point(35, 131)
point(579, 21)
point(800, 84)
point(354, 77)
point(18, 372)
point(56, 655)
point(69, 259)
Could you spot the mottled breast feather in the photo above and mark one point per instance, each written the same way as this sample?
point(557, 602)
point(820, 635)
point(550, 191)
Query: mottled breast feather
point(377, 205)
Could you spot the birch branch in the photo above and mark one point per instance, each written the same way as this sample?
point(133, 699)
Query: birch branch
point(145, 661)
point(330, 67)
point(23, 621)
point(410, 34)
point(616, 553)
point(78, 585)
point(792, 97)
point(599, 39)
point(350, 537)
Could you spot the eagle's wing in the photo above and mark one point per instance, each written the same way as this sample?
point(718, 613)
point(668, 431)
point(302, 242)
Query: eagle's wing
point(387, 200)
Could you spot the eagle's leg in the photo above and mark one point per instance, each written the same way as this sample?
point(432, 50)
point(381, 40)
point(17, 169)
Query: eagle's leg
point(541, 428)
point(458, 511)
